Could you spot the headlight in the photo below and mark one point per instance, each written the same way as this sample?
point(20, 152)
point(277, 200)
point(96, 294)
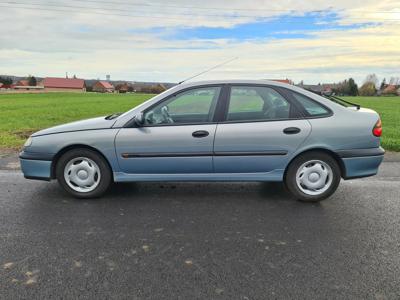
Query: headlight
point(28, 142)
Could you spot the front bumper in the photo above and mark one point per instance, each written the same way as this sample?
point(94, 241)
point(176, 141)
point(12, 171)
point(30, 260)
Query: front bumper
point(36, 165)
point(361, 162)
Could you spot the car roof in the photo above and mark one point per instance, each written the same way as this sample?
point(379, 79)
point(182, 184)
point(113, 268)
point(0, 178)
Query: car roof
point(233, 81)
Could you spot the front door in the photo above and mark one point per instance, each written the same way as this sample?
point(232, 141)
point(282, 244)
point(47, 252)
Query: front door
point(260, 132)
point(177, 137)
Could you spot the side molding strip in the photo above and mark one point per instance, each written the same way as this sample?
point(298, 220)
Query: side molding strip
point(197, 154)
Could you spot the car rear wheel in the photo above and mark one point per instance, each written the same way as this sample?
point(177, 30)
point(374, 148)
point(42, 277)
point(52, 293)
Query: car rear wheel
point(313, 176)
point(83, 173)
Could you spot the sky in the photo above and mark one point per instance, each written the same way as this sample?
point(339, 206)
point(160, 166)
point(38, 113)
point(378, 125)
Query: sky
point(314, 41)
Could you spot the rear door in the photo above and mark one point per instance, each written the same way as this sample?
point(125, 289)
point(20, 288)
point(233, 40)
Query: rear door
point(177, 136)
point(260, 131)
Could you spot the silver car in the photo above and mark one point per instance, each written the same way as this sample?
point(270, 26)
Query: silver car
point(214, 131)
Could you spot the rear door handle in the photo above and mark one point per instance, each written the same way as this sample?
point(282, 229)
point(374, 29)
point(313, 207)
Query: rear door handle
point(200, 133)
point(291, 130)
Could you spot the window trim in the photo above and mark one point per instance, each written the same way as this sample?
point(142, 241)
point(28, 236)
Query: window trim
point(221, 109)
point(276, 89)
point(174, 95)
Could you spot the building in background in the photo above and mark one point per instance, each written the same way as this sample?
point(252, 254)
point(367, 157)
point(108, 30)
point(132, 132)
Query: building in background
point(288, 81)
point(22, 83)
point(124, 88)
point(103, 87)
point(53, 84)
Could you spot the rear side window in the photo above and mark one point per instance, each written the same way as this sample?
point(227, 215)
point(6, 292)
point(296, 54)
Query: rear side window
point(256, 103)
point(312, 107)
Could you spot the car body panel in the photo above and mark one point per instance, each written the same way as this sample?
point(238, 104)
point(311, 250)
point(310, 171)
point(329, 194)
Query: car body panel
point(165, 149)
point(262, 146)
point(52, 144)
point(275, 175)
point(36, 169)
point(89, 124)
point(361, 166)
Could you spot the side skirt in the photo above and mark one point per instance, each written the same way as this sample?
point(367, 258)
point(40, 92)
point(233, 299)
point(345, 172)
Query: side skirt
point(275, 175)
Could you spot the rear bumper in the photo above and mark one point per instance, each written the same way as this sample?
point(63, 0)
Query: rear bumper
point(361, 162)
point(36, 165)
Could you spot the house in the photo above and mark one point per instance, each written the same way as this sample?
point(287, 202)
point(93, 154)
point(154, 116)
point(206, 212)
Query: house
point(103, 87)
point(37, 88)
point(287, 81)
point(123, 88)
point(6, 86)
point(22, 83)
point(53, 84)
point(390, 89)
point(325, 89)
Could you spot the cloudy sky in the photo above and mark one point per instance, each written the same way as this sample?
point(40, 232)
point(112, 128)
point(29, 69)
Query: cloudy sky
point(315, 41)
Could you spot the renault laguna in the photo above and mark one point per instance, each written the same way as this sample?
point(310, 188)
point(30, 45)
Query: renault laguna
point(214, 131)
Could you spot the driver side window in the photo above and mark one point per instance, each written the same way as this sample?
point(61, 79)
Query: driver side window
point(191, 106)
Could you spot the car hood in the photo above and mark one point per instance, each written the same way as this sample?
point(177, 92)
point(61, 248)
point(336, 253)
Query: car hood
point(89, 124)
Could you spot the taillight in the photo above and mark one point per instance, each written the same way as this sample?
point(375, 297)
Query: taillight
point(377, 130)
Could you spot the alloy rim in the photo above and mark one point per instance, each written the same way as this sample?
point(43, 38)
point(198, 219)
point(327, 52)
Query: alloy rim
point(314, 177)
point(82, 174)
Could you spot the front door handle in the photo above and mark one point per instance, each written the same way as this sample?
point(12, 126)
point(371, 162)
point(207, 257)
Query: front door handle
point(291, 130)
point(200, 133)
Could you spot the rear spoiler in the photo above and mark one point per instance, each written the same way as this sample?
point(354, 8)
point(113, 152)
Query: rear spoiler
point(338, 100)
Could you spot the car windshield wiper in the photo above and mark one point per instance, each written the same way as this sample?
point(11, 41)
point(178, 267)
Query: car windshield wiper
point(341, 101)
point(113, 116)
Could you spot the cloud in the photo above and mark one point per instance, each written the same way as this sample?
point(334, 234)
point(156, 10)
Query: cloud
point(314, 41)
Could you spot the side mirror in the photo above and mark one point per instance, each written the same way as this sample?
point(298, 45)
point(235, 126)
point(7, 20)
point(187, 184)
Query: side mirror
point(139, 119)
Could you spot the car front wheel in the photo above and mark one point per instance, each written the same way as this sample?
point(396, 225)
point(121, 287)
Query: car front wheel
point(313, 176)
point(83, 173)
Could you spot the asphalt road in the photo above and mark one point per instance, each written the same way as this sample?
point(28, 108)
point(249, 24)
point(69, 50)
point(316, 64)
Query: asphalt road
point(200, 241)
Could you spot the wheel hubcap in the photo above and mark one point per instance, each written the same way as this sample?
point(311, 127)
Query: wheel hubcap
point(82, 174)
point(314, 177)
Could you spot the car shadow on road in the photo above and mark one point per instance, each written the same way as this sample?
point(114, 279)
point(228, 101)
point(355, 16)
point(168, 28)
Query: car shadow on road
point(260, 191)
point(183, 192)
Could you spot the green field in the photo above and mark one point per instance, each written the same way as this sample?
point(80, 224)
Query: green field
point(22, 114)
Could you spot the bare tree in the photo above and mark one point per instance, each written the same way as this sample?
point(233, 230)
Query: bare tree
point(394, 81)
point(372, 78)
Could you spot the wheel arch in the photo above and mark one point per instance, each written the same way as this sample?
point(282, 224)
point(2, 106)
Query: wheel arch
point(64, 150)
point(323, 150)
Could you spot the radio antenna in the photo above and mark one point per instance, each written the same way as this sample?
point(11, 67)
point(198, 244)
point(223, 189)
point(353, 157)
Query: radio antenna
point(208, 70)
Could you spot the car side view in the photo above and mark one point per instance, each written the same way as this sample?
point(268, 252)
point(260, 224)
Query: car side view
point(238, 130)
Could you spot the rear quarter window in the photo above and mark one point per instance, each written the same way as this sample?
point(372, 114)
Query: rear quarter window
point(313, 108)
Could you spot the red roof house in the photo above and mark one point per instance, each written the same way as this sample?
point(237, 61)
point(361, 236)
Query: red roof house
point(53, 84)
point(390, 89)
point(22, 83)
point(6, 86)
point(103, 87)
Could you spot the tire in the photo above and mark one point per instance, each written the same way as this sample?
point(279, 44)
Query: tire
point(305, 177)
point(83, 173)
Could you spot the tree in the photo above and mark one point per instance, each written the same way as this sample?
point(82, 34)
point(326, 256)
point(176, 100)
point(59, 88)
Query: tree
point(6, 80)
point(394, 81)
point(383, 84)
point(353, 88)
point(32, 81)
point(368, 89)
point(372, 78)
